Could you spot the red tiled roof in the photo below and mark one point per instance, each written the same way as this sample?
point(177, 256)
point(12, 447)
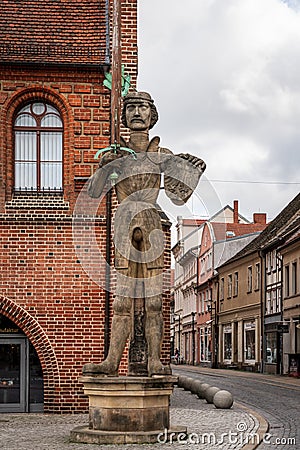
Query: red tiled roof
point(231, 230)
point(276, 230)
point(193, 222)
point(52, 30)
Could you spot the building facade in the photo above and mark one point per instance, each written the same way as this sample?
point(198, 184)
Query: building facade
point(238, 291)
point(290, 252)
point(54, 116)
point(256, 293)
point(220, 242)
point(198, 252)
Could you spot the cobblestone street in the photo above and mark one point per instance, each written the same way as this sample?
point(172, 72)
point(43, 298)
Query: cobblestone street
point(208, 428)
point(276, 398)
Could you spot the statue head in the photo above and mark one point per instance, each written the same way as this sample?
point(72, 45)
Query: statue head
point(139, 112)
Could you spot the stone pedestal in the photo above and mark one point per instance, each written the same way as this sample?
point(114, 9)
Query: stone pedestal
point(125, 410)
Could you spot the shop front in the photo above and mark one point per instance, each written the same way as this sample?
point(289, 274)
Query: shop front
point(249, 340)
point(205, 345)
point(227, 344)
point(272, 349)
point(21, 378)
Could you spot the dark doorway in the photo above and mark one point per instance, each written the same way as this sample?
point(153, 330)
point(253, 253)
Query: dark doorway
point(21, 378)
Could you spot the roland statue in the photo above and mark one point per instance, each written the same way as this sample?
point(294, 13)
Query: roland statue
point(138, 235)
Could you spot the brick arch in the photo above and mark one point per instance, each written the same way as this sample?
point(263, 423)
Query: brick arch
point(13, 104)
point(37, 336)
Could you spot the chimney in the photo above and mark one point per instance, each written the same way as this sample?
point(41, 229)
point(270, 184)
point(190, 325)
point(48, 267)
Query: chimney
point(260, 218)
point(235, 211)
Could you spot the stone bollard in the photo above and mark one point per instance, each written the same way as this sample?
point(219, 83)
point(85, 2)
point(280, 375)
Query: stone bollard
point(223, 399)
point(188, 383)
point(180, 382)
point(184, 381)
point(195, 386)
point(202, 390)
point(210, 392)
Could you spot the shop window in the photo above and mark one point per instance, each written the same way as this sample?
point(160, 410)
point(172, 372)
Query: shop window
point(249, 339)
point(205, 344)
point(38, 158)
point(271, 348)
point(227, 343)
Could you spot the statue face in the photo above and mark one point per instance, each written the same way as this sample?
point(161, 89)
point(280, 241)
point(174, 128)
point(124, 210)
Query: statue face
point(138, 116)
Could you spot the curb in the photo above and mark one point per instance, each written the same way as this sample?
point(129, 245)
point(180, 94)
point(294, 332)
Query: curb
point(262, 428)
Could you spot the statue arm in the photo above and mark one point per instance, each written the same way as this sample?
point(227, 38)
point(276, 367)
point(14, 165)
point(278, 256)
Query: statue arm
point(97, 182)
point(109, 162)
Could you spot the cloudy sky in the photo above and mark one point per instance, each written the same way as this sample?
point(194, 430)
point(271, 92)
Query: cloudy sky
point(225, 77)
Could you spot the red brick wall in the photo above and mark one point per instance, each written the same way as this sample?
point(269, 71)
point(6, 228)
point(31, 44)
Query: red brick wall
point(44, 287)
point(43, 281)
point(46, 292)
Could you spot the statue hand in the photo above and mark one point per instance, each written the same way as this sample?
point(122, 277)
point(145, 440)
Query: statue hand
point(153, 145)
point(109, 157)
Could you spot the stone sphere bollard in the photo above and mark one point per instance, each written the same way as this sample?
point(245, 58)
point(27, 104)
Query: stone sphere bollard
point(210, 392)
point(195, 386)
point(180, 381)
point(202, 390)
point(188, 383)
point(223, 399)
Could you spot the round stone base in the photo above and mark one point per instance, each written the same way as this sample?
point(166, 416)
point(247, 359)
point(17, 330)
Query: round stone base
point(85, 435)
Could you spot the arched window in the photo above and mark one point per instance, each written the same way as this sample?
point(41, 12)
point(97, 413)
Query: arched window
point(38, 132)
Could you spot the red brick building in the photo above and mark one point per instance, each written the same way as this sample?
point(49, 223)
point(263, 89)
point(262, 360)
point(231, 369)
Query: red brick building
point(54, 116)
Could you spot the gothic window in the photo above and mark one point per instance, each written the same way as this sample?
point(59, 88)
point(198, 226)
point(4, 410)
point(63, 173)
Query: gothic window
point(38, 158)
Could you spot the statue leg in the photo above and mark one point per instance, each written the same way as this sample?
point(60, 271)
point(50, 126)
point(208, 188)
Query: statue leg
point(154, 336)
point(120, 331)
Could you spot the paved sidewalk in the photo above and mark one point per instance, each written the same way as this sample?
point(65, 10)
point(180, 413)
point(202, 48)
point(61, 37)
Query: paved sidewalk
point(271, 379)
point(208, 428)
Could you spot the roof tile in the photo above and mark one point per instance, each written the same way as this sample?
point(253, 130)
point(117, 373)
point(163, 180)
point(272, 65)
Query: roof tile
point(52, 30)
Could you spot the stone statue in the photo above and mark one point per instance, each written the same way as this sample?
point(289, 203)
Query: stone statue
point(138, 235)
